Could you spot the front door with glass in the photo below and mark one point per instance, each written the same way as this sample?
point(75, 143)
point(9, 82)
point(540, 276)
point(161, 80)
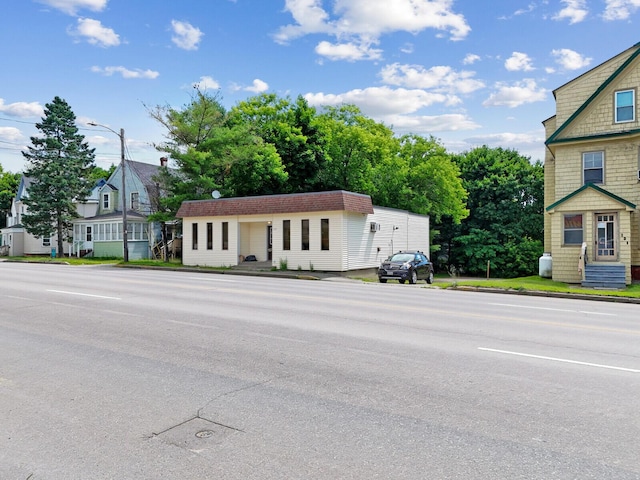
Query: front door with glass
point(606, 245)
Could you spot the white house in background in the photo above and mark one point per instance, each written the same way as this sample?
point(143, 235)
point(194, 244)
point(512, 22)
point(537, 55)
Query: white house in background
point(335, 231)
point(16, 241)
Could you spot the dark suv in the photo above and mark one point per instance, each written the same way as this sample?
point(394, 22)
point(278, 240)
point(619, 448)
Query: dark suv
point(408, 265)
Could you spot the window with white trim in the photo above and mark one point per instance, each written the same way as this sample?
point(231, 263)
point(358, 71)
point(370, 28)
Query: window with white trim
point(135, 201)
point(572, 229)
point(593, 167)
point(46, 241)
point(106, 201)
point(625, 106)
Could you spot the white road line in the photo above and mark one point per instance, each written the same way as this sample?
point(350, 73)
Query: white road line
point(553, 309)
point(84, 294)
point(190, 324)
point(213, 279)
point(563, 360)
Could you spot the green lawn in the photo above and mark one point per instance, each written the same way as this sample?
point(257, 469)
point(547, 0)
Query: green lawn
point(535, 283)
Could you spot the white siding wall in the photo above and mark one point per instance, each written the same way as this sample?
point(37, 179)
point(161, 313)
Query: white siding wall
point(315, 258)
point(399, 230)
point(215, 257)
point(352, 245)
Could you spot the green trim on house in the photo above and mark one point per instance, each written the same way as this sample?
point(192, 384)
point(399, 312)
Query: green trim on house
point(599, 136)
point(554, 137)
point(597, 189)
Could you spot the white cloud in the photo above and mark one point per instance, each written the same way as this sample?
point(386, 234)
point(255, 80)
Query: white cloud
point(398, 108)
point(382, 101)
point(529, 144)
point(407, 48)
point(526, 91)
point(427, 125)
point(518, 62)
point(186, 36)
point(438, 78)
point(95, 33)
point(362, 22)
point(11, 134)
point(125, 72)
point(258, 86)
point(574, 10)
point(620, 9)
point(347, 51)
point(470, 59)
point(22, 109)
point(70, 7)
point(569, 59)
point(206, 83)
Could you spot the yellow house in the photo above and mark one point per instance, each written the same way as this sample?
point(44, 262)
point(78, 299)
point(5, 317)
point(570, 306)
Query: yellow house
point(592, 176)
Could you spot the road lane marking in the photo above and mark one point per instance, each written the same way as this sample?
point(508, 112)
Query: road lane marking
point(563, 360)
point(553, 309)
point(213, 279)
point(84, 294)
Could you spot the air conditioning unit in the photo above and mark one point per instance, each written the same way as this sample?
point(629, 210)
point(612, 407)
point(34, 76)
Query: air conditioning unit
point(374, 227)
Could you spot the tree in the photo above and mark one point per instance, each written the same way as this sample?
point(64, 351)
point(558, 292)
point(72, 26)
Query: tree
point(292, 129)
point(354, 146)
point(8, 189)
point(421, 178)
point(505, 224)
point(60, 164)
point(212, 153)
point(99, 173)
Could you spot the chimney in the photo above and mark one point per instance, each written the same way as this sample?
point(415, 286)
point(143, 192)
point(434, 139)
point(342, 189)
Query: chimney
point(163, 161)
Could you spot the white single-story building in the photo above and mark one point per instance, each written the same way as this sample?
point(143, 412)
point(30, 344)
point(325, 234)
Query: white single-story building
point(335, 231)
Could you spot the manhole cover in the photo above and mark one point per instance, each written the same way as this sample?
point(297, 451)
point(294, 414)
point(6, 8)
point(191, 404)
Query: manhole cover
point(204, 434)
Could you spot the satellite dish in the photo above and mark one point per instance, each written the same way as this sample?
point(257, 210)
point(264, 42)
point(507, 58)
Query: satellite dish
point(215, 194)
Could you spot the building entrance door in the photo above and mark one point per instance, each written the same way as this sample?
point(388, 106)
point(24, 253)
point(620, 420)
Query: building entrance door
point(606, 245)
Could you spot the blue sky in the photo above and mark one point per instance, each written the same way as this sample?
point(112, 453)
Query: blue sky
point(467, 72)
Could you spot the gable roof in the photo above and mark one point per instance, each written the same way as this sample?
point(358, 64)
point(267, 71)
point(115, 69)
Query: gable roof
point(597, 189)
point(554, 137)
point(145, 171)
point(338, 200)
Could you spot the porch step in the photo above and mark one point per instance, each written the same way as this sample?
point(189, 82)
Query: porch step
point(597, 275)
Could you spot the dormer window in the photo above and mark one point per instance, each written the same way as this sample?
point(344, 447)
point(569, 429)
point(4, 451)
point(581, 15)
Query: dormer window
point(625, 106)
point(106, 201)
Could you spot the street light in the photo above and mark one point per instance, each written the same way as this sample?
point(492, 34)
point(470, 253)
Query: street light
point(125, 245)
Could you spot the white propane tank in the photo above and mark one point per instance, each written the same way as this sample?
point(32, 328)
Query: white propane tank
point(545, 264)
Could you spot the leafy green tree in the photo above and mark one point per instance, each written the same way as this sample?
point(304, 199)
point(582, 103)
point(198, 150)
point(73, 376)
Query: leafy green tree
point(354, 146)
point(212, 153)
point(8, 188)
point(292, 129)
point(505, 224)
point(99, 173)
point(60, 164)
point(421, 178)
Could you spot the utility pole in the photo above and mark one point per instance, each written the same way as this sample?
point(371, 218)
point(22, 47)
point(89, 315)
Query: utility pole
point(125, 245)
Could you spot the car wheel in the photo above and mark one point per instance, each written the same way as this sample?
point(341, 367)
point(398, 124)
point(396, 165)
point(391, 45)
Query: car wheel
point(413, 278)
point(430, 278)
point(383, 280)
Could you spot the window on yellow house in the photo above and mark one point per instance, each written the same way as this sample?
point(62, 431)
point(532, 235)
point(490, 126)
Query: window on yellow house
point(573, 229)
point(625, 106)
point(593, 167)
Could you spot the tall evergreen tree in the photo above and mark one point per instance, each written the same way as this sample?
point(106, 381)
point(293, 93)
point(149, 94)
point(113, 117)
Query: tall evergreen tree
point(59, 164)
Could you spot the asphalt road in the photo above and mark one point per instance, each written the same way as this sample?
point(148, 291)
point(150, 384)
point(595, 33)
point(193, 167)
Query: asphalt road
point(110, 373)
